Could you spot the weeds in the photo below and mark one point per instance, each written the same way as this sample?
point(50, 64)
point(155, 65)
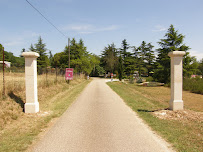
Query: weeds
point(17, 129)
point(12, 105)
point(194, 85)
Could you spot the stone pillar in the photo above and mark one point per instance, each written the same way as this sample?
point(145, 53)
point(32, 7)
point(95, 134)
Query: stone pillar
point(32, 104)
point(176, 102)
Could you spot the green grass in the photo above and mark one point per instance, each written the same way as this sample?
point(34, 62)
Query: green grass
point(21, 133)
point(183, 136)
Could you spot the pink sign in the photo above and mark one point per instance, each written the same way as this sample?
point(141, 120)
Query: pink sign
point(69, 73)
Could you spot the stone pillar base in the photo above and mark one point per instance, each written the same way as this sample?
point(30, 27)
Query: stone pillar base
point(176, 105)
point(32, 107)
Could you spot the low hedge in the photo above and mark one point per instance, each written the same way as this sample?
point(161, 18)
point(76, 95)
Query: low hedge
point(194, 85)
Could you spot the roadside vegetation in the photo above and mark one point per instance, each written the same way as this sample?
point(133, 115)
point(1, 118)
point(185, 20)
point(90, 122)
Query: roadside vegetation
point(194, 85)
point(183, 129)
point(19, 130)
point(140, 61)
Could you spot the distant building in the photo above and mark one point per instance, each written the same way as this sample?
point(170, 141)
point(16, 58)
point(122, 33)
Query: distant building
point(7, 64)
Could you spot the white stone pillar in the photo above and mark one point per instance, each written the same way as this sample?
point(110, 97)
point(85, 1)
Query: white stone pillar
point(176, 102)
point(32, 104)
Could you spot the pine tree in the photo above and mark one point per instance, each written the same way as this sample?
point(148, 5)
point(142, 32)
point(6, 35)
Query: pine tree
point(143, 50)
point(172, 42)
point(124, 49)
point(149, 58)
point(23, 50)
point(40, 47)
point(42, 60)
point(120, 68)
point(109, 58)
point(128, 60)
point(32, 48)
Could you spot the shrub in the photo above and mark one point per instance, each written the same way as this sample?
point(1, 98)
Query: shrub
point(194, 85)
point(139, 80)
point(149, 79)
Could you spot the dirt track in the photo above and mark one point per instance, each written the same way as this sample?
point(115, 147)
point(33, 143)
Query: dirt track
point(99, 121)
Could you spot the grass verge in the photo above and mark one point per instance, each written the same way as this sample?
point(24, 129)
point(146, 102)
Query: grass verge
point(183, 129)
point(54, 100)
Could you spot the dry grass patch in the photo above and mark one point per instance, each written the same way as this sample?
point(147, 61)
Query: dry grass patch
point(17, 129)
point(183, 129)
point(192, 101)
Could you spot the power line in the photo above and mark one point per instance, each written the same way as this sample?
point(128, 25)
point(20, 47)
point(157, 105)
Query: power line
point(46, 19)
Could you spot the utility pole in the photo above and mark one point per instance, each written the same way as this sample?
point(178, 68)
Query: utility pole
point(3, 76)
point(69, 52)
point(68, 56)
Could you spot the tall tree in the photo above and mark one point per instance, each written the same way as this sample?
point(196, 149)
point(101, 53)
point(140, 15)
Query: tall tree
point(142, 50)
point(50, 55)
point(135, 52)
point(149, 58)
point(173, 42)
point(124, 49)
point(200, 67)
point(40, 47)
point(128, 60)
point(109, 58)
point(138, 59)
point(32, 48)
point(95, 61)
point(144, 56)
point(190, 65)
point(8, 56)
point(80, 59)
point(120, 68)
point(42, 60)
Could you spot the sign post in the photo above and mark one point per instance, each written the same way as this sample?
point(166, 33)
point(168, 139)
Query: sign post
point(3, 76)
point(69, 74)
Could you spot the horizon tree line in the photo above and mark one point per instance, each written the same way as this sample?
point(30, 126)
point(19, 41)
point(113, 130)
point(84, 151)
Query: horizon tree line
point(123, 61)
point(128, 59)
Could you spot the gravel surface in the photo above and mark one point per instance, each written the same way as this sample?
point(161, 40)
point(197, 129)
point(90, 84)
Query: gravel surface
point(99, 121)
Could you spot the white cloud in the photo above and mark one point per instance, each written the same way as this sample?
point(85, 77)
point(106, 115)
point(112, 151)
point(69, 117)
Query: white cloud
point(109, 28)
point(13, 43)
point(159, 28)
point(85, 32)
point(80, 27)
point(19, 38)
point(88, 28)
point(197, 54)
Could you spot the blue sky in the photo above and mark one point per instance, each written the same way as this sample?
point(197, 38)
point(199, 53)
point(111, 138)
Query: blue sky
point(99, 23)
